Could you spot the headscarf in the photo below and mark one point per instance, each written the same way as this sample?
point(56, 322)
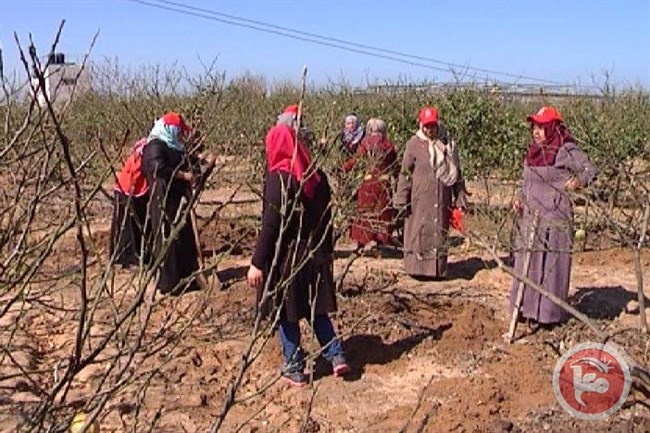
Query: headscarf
point(139, 145)
point(443, 134)
point(283, 155)
point(287, 119)
point(556, 135)
point(168, 129)
point(444, 161)
point(376, 125)
point(352, 138)
point(289, 116)
point(436, 155)
point(376, 135)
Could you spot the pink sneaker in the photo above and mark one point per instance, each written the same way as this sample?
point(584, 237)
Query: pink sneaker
point(340, 366)
point(296, 378)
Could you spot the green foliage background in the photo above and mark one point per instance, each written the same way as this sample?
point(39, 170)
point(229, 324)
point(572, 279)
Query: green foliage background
point(489, 126)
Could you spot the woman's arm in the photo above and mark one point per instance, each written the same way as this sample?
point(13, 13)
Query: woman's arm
point(517, 204)
point(155, 164)
point(405, 178)
point(274, 187)
point(352, 161)
point(459, 191)
point(391, 164)
point(577, 161)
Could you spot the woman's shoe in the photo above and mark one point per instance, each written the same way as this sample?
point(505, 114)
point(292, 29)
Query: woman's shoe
point(340, 366)
point(295, 378)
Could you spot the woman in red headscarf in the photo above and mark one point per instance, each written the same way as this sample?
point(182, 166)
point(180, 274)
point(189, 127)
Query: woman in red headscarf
point(292, 266)
point(554, 166)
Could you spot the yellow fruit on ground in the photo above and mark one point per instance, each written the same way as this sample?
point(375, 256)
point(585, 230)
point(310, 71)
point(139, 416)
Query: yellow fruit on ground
point(79, 421)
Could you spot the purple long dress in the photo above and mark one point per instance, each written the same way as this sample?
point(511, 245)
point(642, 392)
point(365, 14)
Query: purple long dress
point(544, 190)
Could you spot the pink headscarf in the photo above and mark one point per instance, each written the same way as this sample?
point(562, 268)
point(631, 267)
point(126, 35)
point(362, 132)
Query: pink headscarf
point(282, 155)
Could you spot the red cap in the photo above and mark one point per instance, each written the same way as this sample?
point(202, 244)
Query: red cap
point(428, 115)
point(176, 119)
point(545, 115)
point(293, 109)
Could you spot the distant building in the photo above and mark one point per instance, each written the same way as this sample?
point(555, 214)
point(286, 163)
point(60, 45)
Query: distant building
point(61, 78)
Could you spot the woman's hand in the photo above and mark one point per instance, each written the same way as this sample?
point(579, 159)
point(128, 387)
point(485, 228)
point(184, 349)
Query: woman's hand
point(573, 184)
point(517, 206)
point(187, 176)
point(209, 157)
point(402, 211)
point(255, 277)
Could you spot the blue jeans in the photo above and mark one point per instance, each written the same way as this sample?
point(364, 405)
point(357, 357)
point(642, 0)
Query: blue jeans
point(294, 356)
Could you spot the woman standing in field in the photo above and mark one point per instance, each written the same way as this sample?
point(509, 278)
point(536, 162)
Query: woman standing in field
point(377, 159)
point(166, 167)
point(430, 183)
point(352, 134)
point(292, 266)
point(131, 195)
point(554, 166)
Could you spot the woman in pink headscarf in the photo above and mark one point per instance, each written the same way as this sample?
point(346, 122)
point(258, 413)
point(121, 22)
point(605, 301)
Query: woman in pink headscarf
point(292, 266)
point(553, 167)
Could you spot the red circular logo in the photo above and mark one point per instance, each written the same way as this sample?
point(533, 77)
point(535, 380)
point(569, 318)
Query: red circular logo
point(591, 381)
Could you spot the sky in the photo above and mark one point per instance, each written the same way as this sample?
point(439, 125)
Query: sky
point(568, 42)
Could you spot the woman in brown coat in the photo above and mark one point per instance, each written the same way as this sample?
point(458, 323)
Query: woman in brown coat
point(430, 183)
point(292, 266)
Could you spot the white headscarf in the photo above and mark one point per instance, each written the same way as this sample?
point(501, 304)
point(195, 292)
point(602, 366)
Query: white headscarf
point(353, 137)
point(376, 125)
point(288, 119)
point(443, 158)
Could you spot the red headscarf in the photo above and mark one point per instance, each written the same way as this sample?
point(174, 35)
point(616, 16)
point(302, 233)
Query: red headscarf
point(557, 134)
point(282, 155)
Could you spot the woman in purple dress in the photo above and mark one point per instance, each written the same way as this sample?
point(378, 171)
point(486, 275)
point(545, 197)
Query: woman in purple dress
point(554, 166)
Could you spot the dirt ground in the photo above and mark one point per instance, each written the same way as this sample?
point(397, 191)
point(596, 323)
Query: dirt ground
point(426, 356)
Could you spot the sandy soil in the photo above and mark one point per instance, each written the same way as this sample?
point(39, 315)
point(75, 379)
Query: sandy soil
point(426, 356)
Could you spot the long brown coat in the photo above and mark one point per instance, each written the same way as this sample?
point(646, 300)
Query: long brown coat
point(428, 204)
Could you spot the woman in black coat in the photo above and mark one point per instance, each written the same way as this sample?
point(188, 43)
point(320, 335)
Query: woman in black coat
point(128, 242)
point(292, 267)
point(166, 167)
